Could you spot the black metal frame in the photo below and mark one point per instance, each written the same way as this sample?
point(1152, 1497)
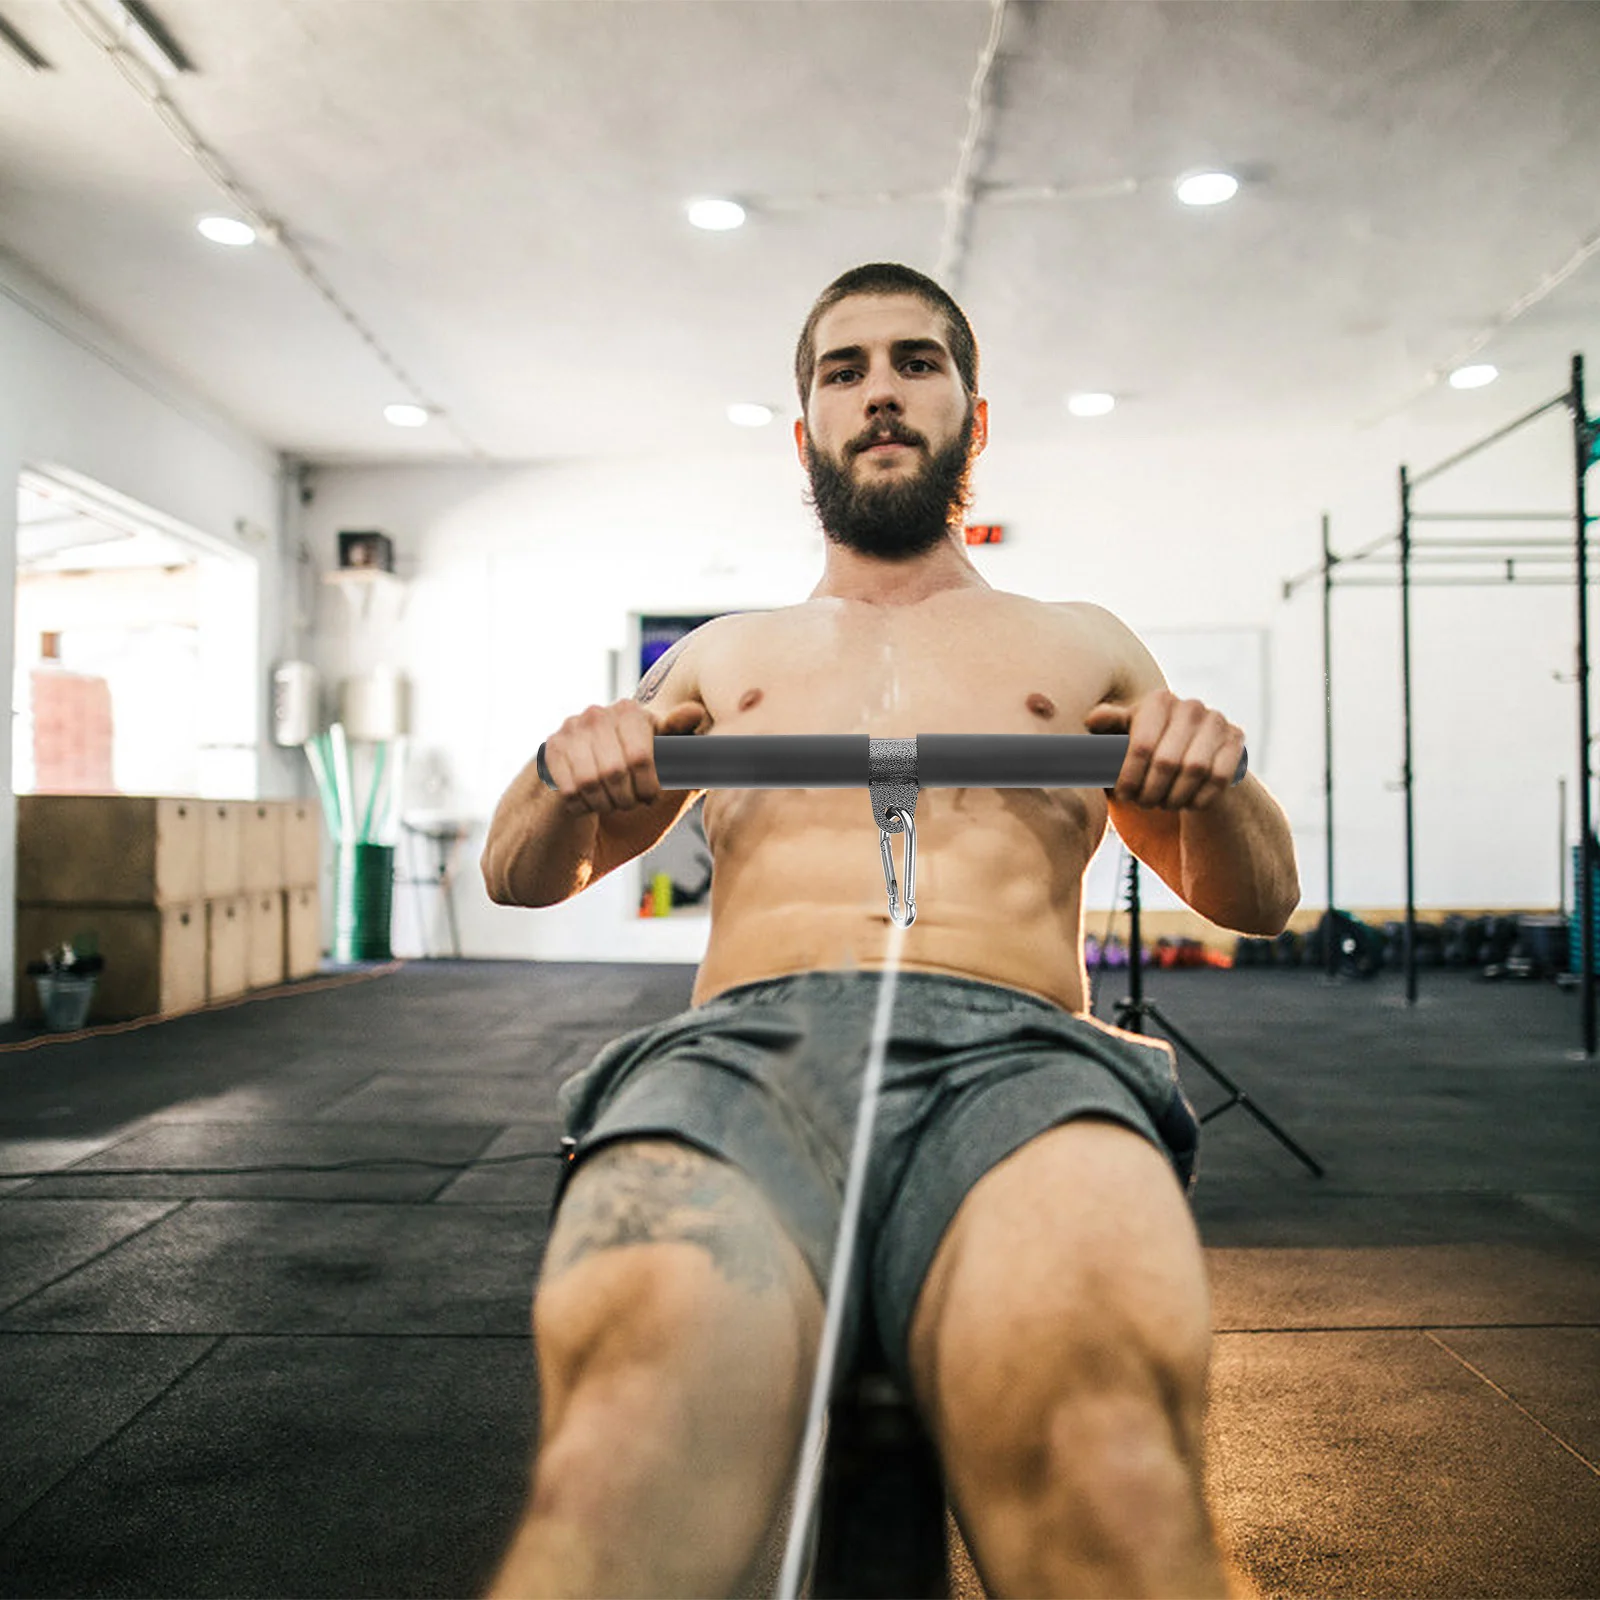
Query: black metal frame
point(1412, 553)
point(1135, 1012)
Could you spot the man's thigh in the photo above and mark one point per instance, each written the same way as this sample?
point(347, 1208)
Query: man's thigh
point(664, 1260)
point(1073, 1268)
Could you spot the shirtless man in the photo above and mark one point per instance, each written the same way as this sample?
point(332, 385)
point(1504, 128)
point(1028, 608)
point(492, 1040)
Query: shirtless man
point(1027, 1255)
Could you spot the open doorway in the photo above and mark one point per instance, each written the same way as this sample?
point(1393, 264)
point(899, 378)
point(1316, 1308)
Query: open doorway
point(135, 649)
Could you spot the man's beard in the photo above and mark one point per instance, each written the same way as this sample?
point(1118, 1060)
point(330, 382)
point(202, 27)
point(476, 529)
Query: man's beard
point(900, 518)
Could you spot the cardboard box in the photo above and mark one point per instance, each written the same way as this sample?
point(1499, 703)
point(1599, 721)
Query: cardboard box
point(302, 933)
point(227, 947)
point(302, 844)
point(221, 840)
point(260, 845)
point(155, 956)
point(265, 945)
point(109, 850)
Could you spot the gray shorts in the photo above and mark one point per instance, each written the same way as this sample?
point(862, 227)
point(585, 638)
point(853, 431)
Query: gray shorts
point(768, 1077)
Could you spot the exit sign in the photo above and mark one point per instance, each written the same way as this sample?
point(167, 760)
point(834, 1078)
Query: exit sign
point(985, 533)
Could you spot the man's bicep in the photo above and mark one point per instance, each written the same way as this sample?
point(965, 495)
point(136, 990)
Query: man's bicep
point(671, 676)
point(1134, 671)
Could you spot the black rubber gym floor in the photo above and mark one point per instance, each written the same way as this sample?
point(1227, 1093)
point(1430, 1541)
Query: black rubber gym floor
point(321, 1384)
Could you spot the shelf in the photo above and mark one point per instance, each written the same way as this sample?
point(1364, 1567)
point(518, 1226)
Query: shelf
point(359, 584)
point(359, 578)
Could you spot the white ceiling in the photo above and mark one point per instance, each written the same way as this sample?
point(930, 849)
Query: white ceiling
point(495, 190)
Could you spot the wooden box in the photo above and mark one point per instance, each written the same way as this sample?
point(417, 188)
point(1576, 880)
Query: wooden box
point(155, 956)
point(221, 838)
point(302, 933)
point(302, 843)
point(260, 845)
point(105, 850)
point(264, 939)
point(227, 947)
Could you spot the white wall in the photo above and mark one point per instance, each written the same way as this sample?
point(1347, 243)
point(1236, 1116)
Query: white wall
point(520, 580)
point(72, 395)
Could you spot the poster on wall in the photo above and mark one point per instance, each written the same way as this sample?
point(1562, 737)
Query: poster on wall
point(675, 876)
point(658, 633)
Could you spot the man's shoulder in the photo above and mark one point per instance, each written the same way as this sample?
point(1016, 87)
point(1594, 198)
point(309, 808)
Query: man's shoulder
point(1088, 615)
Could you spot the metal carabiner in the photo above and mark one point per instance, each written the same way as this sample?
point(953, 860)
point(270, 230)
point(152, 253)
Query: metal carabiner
point(884, 837)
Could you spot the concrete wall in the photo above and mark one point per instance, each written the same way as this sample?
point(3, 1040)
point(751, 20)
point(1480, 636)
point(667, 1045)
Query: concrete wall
point(519, 581)
point(74, 397)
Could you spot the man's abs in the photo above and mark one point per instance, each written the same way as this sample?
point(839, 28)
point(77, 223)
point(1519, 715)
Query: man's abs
point(799, 880)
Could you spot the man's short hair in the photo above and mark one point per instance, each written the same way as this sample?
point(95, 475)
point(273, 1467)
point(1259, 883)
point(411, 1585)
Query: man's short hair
point(889, 277)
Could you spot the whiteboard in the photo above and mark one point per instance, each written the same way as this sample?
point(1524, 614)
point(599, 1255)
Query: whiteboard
point(1226, 668)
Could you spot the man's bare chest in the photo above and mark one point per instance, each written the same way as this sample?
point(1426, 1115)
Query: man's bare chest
point(1000, 665)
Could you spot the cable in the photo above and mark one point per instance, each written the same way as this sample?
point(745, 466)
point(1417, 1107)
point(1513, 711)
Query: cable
point(801, 1546)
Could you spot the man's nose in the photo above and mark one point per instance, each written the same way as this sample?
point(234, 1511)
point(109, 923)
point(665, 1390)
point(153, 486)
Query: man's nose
point(882, 391)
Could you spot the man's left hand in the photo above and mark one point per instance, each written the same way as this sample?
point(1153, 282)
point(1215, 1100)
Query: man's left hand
point(1181, 754)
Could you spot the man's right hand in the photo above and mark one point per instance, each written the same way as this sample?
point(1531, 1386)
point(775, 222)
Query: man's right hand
point(604, 760)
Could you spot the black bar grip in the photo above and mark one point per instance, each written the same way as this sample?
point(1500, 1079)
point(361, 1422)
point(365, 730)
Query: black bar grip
point(771, 761)
point(841, 761)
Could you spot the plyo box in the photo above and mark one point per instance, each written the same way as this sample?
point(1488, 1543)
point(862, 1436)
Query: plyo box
point(302, 843)
point(221, 847)
point(302, 933)
point(109, 850)
point(227, 947)
point(155, 956)
point(266, 943)
point(261, 825)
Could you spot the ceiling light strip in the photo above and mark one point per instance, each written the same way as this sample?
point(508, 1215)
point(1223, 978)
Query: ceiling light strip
point(271, 228)
point(21, 49)
point(151, 34)
point(1545, 287)
point(959, 196)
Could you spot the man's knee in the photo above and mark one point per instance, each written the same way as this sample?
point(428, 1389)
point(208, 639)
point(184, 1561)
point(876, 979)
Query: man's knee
point(1102, 1491)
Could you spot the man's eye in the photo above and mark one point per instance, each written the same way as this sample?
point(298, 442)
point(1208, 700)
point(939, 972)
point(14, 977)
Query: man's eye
point(920, 362)
point(839, 373)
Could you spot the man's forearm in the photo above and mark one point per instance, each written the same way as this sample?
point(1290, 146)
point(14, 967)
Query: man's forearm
point(536, 852)
point(1233, 862)
point(1236, 861)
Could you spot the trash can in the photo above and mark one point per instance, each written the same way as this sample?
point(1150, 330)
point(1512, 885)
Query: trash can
point(363, 895)
point(65, 997)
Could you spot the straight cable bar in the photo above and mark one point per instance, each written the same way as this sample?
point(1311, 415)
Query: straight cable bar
point(843, 761)
point(892, 771)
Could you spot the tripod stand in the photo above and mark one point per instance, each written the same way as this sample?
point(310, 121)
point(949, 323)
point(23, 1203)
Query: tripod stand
point(1133, 1013)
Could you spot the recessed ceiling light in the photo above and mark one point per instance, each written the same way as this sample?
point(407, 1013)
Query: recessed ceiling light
point(716, 216)
point(227, 230)
point(1207, 188)
point(1091, 405)
point(406, 416)
point(1473, 377)
point(750, 416)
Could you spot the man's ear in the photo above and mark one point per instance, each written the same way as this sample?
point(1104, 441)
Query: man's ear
point(800, 440)
point(980, 425)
